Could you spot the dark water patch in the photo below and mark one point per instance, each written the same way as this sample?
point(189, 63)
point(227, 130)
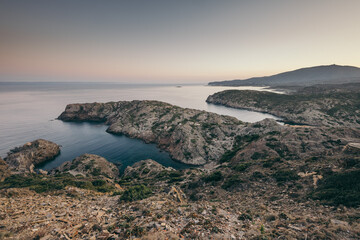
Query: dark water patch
point(92, 138)
point(27, 111)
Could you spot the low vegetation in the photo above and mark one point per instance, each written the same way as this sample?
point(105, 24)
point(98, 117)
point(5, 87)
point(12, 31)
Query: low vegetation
point(40, 183)
point(134, 193)
point(340, 189)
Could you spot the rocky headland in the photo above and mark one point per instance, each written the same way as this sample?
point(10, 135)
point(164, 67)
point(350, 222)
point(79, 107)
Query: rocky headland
point(327, 74)
point(331, 106)
point(24, 159)
point(186, 134)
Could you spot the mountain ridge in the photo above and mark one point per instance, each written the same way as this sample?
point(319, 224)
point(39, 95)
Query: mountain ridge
point(324, 74)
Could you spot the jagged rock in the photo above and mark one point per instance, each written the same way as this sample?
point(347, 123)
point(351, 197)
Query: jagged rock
point(4, 170)
point(24, 159)
point(145, 168)
point(177, 194)
point(89, 165)
point(190, 136)
point(352, 148)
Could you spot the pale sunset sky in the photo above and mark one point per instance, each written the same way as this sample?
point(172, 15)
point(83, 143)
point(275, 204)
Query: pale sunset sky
point(173, 41)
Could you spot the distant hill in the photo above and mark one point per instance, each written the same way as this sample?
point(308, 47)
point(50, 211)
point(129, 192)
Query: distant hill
point(329, 74)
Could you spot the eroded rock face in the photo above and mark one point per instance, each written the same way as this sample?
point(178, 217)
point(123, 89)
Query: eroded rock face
point(23, 159)
point(4, 170)
point(89, 165)
point(190, 136)
point(145, 168)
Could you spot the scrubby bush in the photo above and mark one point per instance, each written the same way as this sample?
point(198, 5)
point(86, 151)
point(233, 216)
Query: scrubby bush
point(175, 176)
point(285, 175)
point(134, 193)
point(232, 181)
point(213, 177)
point(40, 184)
point(339, 188)
point(241, 167)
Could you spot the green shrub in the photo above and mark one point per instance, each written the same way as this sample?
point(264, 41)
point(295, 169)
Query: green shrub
point(175, 176)
point(193, 185)
point(213, 177)
point(227, 156)
point(241, 167)
point(41, 184)
point(245, 216)
point(98, 182)
point(134, 193)
point(339, 188)
point(258, 155)
point(285, 175)
point(232, 181)
point(257, 175)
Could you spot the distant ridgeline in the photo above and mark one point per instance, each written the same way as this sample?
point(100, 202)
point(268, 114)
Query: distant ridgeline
point(301, 77)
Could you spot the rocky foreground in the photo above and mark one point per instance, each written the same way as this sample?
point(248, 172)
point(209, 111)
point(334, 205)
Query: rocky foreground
point(155, 202)
point(256, 181)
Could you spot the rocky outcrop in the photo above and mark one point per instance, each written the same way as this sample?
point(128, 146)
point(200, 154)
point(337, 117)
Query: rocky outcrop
point(4, 170)
point(316, 106)
point(353, 148)
point(190, 136)
point(24, 159)
point(89, 165)
point(145, 168)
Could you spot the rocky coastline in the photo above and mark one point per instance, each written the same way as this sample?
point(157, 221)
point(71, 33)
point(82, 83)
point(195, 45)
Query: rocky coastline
point(249, 181)
point(330, 106)
point(186, 134)
point(25, 158)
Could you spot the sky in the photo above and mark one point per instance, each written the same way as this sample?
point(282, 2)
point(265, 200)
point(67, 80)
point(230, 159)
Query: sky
point(172, 41)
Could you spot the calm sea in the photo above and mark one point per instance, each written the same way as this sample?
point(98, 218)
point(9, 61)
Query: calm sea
point(28, 112)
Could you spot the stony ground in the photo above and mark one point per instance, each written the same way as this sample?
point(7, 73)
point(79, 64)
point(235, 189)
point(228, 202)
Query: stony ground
point(81, 214)
point(259, 181)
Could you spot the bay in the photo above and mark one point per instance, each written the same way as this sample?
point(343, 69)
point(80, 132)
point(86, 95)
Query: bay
point(28, 111)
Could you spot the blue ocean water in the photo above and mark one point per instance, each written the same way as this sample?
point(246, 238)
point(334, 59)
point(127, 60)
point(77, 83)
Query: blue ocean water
point(28, 111)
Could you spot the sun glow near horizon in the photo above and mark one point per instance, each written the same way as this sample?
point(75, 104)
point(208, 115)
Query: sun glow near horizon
point(172, 41)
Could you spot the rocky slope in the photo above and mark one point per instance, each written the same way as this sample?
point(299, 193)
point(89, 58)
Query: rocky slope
point(187, 204)
point(25, 158)
point(275, 182)
point(267, 181)
point(145, 168)
point(4, 170)
point(311, 106)
point(331, 74)
point(89, 165)
point(187, 134)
